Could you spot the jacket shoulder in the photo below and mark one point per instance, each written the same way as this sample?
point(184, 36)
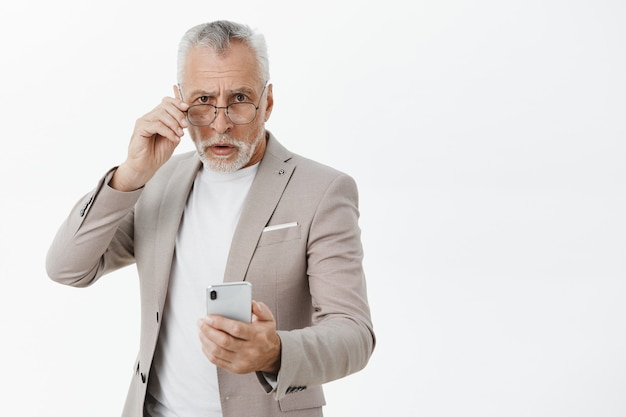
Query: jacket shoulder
point(304, 167)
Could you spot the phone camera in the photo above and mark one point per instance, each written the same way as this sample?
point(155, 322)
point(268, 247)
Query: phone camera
point(213, 295)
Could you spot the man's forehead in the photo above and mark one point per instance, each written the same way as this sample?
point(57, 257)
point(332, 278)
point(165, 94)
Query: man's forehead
point(238, 54)
point(237, 66)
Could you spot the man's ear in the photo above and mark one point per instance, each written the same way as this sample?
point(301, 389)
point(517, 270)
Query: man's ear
point(178, 92)
point(270, 102)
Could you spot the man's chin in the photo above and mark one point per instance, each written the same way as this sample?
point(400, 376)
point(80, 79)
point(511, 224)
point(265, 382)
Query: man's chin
point(222, 164)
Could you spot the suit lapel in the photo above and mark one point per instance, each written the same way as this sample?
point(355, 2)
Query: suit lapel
point(171, 209)
point(268, 186)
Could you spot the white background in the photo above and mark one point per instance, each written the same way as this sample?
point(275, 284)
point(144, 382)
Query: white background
point(487, 138)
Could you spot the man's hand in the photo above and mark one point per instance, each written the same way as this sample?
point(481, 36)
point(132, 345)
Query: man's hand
point(242, 347)
point(154, 139)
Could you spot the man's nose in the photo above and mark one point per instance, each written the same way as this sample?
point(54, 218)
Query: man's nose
point(222, 122)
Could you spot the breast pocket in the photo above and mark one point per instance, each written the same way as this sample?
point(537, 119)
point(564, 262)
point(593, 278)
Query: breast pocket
point(280, 233)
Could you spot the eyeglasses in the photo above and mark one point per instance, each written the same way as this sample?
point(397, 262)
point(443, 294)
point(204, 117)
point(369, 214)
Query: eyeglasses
point(238, 113)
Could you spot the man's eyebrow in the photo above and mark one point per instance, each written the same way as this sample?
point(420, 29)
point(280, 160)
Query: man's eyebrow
point(241, 90)
point(199, 92)
point(245, 90)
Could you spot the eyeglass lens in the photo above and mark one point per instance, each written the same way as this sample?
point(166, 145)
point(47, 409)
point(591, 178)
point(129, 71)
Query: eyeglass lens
point(238, 113)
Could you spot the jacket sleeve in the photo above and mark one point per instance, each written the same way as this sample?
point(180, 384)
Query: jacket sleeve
point(341, 338)
point(96, 237)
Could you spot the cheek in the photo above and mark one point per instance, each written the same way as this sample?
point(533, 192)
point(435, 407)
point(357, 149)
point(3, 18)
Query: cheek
point(197, 133)
point(256, 129)
point(245, 133)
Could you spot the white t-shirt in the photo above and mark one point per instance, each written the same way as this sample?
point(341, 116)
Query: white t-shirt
point(183, 382)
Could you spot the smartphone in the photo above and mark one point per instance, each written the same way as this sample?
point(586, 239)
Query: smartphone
point(230, 299)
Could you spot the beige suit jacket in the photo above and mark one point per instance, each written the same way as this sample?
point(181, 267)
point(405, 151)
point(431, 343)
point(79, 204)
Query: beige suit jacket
point(310, 276)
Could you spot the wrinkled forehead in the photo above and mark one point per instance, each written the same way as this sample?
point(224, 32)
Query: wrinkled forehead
point(238, 64)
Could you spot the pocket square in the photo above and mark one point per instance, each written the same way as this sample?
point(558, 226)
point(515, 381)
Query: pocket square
point(280, 226)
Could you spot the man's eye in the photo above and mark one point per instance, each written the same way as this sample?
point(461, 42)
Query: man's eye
point(240, 97)
point(203, 99)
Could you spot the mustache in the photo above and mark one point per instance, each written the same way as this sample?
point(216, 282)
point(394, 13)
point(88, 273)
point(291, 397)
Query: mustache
point(222, 139)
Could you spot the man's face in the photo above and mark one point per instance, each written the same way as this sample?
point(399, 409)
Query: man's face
point(210, 78)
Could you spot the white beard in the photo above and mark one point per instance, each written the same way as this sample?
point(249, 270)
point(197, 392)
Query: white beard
point(244, 150)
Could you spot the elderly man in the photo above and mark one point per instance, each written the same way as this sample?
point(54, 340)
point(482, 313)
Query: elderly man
point(239, 208)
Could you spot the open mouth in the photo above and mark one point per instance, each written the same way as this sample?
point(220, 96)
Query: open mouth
point(222, 149)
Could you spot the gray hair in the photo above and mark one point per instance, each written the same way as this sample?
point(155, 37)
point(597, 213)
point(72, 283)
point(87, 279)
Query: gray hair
point(218, 36)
